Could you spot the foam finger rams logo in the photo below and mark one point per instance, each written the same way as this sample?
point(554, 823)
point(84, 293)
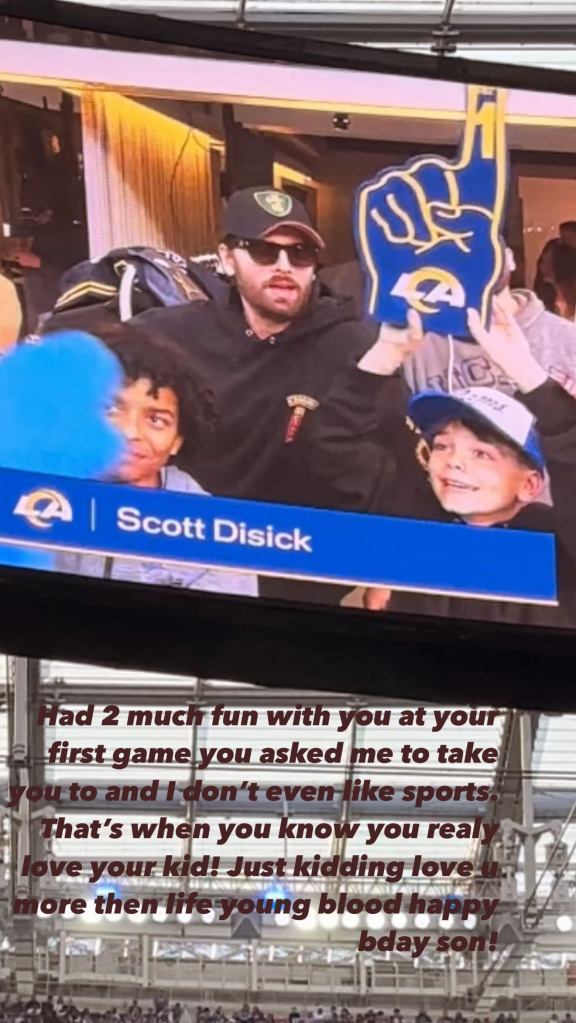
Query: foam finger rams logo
point(42, 507)
point(429, 232)
point(428, 289)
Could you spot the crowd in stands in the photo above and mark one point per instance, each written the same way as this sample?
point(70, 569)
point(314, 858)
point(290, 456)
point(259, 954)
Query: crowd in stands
point(160, 1010)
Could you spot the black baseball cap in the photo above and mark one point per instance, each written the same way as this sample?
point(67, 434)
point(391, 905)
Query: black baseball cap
point(256, 212)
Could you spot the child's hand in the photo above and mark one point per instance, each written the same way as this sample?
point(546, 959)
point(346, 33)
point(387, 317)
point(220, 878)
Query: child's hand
point(393, 346)
point(508, 347)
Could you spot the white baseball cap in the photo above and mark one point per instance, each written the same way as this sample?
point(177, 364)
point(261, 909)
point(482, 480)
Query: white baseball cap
point(484, 405)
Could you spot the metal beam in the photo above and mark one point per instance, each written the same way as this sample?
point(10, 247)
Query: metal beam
point(396, 28)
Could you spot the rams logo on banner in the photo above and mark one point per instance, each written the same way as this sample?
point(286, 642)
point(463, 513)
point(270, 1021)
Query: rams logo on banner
point(428, 233)
point(277, 203)
point(41, 507)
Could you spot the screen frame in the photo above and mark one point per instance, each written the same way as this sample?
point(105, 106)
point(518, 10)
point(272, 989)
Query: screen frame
point(336, 649)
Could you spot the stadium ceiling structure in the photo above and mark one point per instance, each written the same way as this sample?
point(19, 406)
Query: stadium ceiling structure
point(537, 32)
point(279, 959)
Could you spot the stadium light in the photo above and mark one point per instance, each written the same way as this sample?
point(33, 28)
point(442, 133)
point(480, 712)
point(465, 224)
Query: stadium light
point(310, 922)
point(282, 919)
point(184, 918)
point(564, 923)
point(209, 917)
point(328, 921)
point(375, 921)
point(446, 925)
point(161, 915)
point(470, 923)
point(421, 920)
point(91, 916)
point(350, 921)
point(399, 921)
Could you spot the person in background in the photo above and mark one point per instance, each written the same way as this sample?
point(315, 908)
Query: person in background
point(10, 314)
point(244, 1015)
point(544, 285)
point(161, 402)
point(555, 282)
point(564, 273)
point(568, 233)
point(54, 243)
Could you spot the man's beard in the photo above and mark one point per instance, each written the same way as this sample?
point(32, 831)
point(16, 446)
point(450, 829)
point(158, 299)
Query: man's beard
point(269, 310)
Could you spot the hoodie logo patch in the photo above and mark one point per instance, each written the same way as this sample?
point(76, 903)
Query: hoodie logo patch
point(300, 405)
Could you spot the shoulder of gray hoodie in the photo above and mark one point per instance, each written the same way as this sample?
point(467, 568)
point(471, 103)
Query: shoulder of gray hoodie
point(551, 338)
point(191, 577)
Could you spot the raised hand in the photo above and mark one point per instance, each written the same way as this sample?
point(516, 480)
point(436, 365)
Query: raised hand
point(393, 346)
point(428, 233)
point(507, 346)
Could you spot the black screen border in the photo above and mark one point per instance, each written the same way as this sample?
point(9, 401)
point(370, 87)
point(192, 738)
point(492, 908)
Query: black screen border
point(265, 642)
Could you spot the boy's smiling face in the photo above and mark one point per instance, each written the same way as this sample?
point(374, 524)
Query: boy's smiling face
point(149, 421)
point(483, 481)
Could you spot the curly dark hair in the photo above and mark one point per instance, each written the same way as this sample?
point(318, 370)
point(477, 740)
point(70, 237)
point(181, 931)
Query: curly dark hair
point(144, 353)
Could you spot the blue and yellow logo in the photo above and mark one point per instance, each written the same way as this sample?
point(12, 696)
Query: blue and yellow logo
point(428, 289)
point(42, 507)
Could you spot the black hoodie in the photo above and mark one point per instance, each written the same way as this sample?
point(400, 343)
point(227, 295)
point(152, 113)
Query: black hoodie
point(249, 453)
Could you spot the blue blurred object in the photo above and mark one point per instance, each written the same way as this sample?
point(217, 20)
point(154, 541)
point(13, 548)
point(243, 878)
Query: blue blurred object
point(54, 397)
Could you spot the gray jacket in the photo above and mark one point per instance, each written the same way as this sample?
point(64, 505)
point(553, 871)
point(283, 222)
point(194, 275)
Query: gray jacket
point(552, 340)
point(185, 576)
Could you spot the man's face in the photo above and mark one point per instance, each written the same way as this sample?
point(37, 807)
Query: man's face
point(149, 422)
point(483, 482)
point(278, 291)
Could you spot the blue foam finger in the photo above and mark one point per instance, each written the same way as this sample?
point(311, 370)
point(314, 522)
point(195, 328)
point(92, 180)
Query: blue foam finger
point(54, 397)
point(428, 233)
point(53, 401)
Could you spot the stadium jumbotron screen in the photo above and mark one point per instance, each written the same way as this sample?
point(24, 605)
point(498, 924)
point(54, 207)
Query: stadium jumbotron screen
point(262, 342)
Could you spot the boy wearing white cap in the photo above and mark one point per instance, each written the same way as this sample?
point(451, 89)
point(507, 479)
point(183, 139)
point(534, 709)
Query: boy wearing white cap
point(486, 455)
point(483, 456)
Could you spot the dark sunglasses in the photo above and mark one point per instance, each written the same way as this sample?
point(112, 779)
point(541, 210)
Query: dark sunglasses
point(263, 253)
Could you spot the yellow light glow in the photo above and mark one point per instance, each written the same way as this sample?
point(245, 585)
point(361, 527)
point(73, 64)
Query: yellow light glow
point(406, 113)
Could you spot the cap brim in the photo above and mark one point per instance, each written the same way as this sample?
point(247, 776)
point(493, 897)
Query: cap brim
point(295, 225)
point(431, 408)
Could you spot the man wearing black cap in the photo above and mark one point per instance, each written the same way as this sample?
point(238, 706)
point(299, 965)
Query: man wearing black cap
point(271, 350)
point(278, 355)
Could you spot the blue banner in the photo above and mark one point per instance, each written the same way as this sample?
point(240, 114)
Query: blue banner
point(49, 513)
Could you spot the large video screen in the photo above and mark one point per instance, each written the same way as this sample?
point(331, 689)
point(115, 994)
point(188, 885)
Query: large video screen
point(287, 333)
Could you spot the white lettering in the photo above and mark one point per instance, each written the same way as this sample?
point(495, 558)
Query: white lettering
point(129, 519)
point(227, 531)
